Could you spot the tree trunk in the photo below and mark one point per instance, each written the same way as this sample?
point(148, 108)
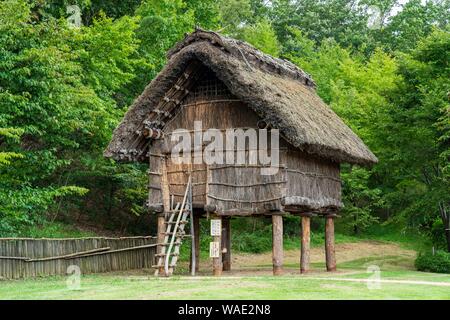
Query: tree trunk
point(277, 244)
point(447, 235)
point(329, 244)
point(305, 247)
point(446, 222)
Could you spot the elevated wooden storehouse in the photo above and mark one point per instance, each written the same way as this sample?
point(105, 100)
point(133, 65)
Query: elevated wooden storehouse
point(227, 84)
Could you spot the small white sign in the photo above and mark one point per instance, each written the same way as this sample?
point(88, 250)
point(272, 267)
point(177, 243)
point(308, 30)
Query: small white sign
point(216, 227)
point(214, 249)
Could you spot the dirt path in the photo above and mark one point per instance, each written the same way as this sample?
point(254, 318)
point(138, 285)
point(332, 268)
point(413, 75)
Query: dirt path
point(344, 252)
point(261, 264)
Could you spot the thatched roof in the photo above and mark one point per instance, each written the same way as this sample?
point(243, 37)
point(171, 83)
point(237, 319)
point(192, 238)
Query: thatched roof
point(275, 89)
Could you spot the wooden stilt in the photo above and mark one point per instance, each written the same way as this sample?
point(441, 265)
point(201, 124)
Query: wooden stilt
point(160, 237)
point(277, 244)
point(217, 262)
point(226, 244)
point(305, 246)
point(329, 243)
point(196, 242)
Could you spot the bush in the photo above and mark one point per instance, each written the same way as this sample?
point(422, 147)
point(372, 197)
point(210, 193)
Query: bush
point(439, 262)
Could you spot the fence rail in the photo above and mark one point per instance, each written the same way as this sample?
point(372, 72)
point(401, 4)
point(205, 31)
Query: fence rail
point(27, 258)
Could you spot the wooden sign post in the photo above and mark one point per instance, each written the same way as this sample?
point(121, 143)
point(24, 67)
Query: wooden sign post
point(215, 246)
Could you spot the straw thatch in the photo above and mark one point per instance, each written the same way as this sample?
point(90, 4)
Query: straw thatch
point(275, 89)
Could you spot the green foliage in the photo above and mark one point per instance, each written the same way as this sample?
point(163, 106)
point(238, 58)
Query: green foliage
point(53, 230)
point(253, 241)
point(90, 9)
point(234, 14)
point(10, 133)
point(415, 21)
point(415, 150)
point(57, 89)
point(341, 20)
point(109, 70)
point(437, 237)
point(263, 37)
point(63, 90)
point(361, 201)
point(438, 262)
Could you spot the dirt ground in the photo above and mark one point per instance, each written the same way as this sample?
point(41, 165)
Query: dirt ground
point(261, 264)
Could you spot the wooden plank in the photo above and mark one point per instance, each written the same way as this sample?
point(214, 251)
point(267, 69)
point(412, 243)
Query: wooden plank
point(116, 251)
point(72, 255)
point(196, 243)
point(165, 187)
point(277, 244)
point(329, 244)
point(14, 258)
point(226, 244)
point(161, 237)
point(305, 244)
point(217, 262)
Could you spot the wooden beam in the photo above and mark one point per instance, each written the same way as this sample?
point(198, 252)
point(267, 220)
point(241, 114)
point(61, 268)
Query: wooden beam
point(161, 237)
point(329, 243)
point(226, 244)
point(196, 243)
point(306, 244)
point(277, 244)
point(217, 262)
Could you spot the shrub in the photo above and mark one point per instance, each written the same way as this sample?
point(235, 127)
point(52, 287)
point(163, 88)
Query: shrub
point(439, 262)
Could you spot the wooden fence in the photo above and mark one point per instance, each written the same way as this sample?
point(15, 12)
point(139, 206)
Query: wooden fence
point(27, 258)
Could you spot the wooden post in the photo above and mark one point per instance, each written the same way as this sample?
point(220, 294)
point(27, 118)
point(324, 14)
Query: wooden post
point(226, 244)
point(277, 244)
point(196, 242)
point(329, 243)
point(217, 262)
point(306, 241)
point(160, 238)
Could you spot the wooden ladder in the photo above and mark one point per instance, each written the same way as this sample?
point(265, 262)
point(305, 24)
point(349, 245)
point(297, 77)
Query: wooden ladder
point(176, 220)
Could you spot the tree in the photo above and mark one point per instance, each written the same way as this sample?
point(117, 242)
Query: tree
point(6, 157)
point(262, 36)
point(358, 90)
point(57, 88)
point(415, 21)
point(342, 20)
point(424, 112)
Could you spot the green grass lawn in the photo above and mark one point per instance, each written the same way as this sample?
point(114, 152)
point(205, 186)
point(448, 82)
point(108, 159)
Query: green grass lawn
point(398, 281)
point(253, 281)
point(247, 287)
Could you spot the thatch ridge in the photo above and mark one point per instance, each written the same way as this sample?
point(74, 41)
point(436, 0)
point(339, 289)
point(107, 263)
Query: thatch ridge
point(276, 90)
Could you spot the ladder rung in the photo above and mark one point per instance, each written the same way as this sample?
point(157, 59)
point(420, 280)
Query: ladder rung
point(163, 254)
point(176, 243)
point(174, 222)
point(178, 234)
point(162, 266)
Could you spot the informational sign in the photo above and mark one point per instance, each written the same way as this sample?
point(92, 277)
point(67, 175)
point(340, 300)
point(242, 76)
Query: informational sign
point(216, 227)
point(214, 249)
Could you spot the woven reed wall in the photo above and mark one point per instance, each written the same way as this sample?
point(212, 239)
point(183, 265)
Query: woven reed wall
point(27, 258)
